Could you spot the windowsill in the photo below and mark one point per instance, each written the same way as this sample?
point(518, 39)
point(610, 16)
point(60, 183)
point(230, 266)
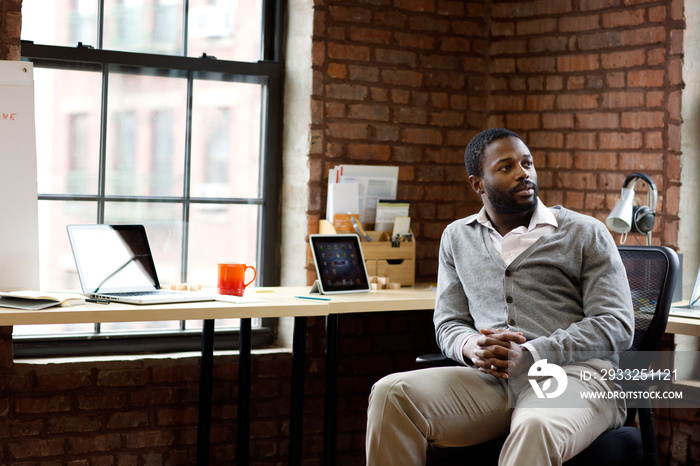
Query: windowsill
point(142, 357)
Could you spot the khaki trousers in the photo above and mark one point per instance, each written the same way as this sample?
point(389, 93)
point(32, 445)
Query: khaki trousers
point(460, 406)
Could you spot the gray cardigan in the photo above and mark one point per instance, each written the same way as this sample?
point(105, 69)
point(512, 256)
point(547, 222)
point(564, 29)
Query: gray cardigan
point(568, 293)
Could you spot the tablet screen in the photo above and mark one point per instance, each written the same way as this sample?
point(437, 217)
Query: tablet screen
point(340, 265)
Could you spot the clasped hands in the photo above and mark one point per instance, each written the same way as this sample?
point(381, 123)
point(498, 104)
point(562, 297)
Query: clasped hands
point(498, 352)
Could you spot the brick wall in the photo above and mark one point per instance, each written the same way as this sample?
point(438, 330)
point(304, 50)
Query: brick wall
point(592, 85)
point(10, 28)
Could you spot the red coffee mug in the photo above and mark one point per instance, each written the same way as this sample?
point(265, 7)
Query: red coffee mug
point(232, 278)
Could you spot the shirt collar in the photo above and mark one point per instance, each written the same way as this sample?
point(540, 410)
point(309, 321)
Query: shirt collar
point(541, 216)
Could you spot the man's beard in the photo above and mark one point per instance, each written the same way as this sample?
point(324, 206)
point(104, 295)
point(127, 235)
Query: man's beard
point(507, 203)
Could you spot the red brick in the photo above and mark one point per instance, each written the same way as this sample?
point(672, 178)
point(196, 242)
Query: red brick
point(596, 160)
point(418, 41)
point(557, 120)
point(507, 102)
point(579, 23)
point(98, 443)
point(623, 99)
point(396, 57)
point(536, 26)
point(627, 17)
point(624, 59)
point(519, 121)
point(576, 101)
point(377, 152)
point(370, 35)
point(446, 118)
point(597, 120)
point(641, 161)
point(346, 91)
point(425, 6)
point(347, 130)
point(350, 15)
point(421, 136)
point(619, 140)
point(536, 64)
point(48, 404)
point(392, 19)
point(545, 44)
point(657, 14)
point(368, 112)
point(639, 120)
point(411, 115)
point(643, 36)
point(36, 447)
point(503, 65)
point(577, 63)
point(337, 70)
point(646, 78)
point(581, 141)
point(349, 52)
point(402, 78)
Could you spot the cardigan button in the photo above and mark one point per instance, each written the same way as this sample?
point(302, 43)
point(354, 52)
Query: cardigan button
point(509, 299)
point(508, 273)
point(511, 322)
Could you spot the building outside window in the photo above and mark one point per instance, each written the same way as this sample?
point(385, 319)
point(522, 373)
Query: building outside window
point(165, 113)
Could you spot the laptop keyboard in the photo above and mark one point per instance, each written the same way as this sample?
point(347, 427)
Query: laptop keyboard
point(141, 293)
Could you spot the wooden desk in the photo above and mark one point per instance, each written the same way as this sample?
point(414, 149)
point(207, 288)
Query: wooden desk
point(277, 304)
point(683, 326)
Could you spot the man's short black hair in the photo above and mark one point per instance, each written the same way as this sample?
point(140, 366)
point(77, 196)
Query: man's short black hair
point(474, 154)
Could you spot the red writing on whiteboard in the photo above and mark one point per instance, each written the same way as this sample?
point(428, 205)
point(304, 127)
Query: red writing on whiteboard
point(8, 116)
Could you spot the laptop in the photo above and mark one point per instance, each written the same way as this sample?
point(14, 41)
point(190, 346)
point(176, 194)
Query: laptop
point(692, 309)
point(114, 263)
point(340, 266)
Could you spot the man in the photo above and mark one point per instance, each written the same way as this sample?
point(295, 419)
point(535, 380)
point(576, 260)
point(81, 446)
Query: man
point(517, 283)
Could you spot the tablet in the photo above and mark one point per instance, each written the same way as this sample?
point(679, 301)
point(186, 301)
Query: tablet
point(340, 266)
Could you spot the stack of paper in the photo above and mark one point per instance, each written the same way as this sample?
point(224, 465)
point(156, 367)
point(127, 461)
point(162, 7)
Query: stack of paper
point(36, 300)
point(356, 189)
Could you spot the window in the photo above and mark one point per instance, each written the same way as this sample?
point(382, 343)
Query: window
point(160, 112)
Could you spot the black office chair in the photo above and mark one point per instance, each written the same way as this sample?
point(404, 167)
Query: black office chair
point(651, 272)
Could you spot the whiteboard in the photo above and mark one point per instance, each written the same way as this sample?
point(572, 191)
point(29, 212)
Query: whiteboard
point(19, 230)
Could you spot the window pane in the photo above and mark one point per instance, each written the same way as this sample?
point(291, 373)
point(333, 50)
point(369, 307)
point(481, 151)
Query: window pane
point(225, 29)
point(60, 22)
point(145, 135)
point(220, 233)
point(56, 265)
point(226, 138)
point(135, 327)
point(163, 224)
point(153, 26)
point(68, 118)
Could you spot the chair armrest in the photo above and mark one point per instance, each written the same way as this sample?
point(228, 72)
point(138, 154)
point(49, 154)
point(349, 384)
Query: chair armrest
point(435, 360)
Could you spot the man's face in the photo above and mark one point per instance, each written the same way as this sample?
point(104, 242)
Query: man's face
point(509, 180)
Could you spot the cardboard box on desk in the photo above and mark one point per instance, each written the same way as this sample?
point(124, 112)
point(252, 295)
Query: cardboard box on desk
point(381, 258)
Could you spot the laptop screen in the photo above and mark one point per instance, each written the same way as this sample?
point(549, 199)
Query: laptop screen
point(113, 258)
point(695, 295)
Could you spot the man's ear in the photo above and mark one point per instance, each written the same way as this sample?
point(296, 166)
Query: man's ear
point(477, 184)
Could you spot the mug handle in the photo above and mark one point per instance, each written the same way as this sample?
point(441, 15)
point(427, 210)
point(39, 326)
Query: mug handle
point(255, 274)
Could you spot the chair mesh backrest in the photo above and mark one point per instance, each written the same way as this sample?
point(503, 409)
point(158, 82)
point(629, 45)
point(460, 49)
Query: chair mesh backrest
point(650, 277)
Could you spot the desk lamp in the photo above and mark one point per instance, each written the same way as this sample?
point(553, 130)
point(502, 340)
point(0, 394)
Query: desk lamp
point(638, 219)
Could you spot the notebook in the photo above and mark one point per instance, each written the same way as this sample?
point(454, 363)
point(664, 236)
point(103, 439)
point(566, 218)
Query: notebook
point(340, 266)
point(692, 309)
point(114, 263)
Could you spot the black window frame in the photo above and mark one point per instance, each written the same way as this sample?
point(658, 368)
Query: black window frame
point(268, 71)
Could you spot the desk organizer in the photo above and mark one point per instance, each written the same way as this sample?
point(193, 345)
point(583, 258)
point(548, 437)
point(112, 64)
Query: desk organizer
point(382, 259)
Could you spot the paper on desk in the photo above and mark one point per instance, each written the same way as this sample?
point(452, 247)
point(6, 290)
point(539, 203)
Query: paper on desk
point(374, 182)
point(342, 199)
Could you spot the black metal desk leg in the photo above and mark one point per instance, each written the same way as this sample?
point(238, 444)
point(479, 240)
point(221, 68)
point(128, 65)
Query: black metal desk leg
point(330, 429)
point(244, 343)
point(296, 410)
point(205, 387)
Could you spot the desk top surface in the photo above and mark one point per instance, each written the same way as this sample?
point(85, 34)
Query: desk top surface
point(278, 302)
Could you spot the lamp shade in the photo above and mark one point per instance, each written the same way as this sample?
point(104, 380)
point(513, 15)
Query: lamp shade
point(620, 219)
